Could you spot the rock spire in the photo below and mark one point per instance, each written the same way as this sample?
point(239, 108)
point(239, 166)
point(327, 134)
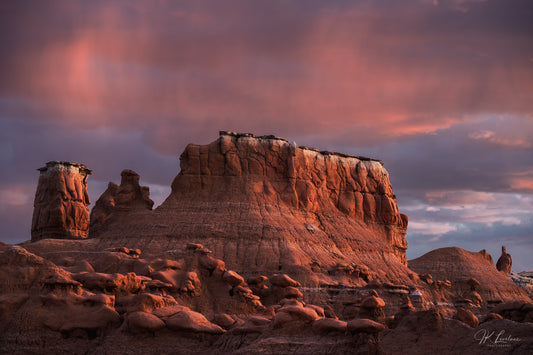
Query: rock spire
point(61, 202)
point(505, 262)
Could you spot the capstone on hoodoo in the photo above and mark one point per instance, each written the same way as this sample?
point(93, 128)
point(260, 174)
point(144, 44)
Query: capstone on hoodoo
point(61, 202)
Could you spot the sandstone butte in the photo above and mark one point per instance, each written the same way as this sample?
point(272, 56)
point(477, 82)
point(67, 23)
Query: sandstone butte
point(262, 247)
point(265, 205)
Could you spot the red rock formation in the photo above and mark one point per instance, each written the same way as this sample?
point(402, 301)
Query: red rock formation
point(119, 200)
point(265, 205)
point(47, 307)
point(60, 207)
point(504, 262)
point(118, 304)
point(467, 317)
point(323, 227)
point(468, 272)
point(267, 170)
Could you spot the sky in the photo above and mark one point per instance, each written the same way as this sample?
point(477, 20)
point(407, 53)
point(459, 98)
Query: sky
point(440, 90)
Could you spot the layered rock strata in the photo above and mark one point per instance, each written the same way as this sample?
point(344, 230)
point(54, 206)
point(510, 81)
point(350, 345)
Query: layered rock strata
point(266, 205)
point(270, 170)
point(61, 202)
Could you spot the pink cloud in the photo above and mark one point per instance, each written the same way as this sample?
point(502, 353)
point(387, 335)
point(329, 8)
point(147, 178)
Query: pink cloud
point(178, 67)
point(522, 184)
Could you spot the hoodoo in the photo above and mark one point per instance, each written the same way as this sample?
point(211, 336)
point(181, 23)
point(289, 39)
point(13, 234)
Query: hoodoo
point(61, 202)
point(119, 200)
point(505, 262)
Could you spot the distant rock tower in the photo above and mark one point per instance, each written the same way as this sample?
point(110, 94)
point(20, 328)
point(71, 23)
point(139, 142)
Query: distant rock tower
point(505, 262)
point(119, 200)
point(60, 209)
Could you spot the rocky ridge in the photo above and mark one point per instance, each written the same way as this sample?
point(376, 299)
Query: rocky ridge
point(186, 301)
point(263, 247)
point(472, 276)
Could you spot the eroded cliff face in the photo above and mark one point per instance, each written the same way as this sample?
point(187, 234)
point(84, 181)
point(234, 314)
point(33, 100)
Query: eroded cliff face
point(61, 202)
point(272, 171)
point(265, 205)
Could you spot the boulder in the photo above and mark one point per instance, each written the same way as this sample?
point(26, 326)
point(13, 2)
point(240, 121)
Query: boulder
point(292, 292)
point(290, 302)
point(140, 322)
point(372, 307)
point(325, 326)
point(467, 317)
point(157, 285)
point(364, 325)
point(118, 283)
point(257, 280)
point(70, 317)
point(372, 302)
point(223, 320)
point(210, 263)
point(232, 278)
point(283, 280)
point(194, 246)
point(194, 322)
point(258, 320)
point(62, 283)
point(169, 311)
point(294, 313)
point(319, 310)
